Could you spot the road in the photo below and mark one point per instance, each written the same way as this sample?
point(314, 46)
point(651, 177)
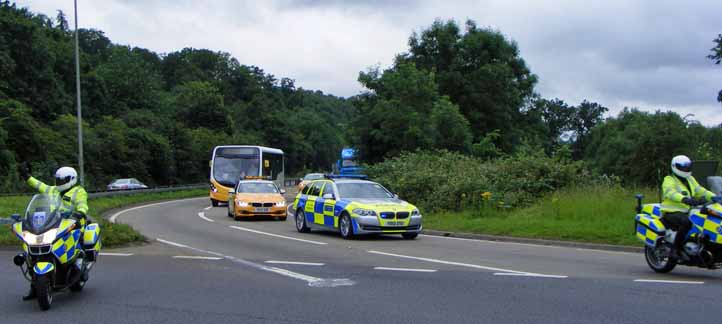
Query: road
point(203, 267)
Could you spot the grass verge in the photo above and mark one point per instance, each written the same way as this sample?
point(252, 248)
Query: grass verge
point(599, 214)
point(112, 234)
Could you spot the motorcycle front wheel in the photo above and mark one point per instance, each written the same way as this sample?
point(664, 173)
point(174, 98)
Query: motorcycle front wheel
point(43, 287)
point(658, 259)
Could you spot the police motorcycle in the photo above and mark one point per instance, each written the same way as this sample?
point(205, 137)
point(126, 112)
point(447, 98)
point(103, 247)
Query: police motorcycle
point(701, 248)
point(53, 258)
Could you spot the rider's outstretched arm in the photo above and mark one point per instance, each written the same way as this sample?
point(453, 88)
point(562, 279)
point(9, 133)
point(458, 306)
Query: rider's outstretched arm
point(81, 201)
point(39, 185)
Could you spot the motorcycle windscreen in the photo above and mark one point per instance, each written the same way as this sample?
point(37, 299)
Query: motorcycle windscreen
point(43, 213)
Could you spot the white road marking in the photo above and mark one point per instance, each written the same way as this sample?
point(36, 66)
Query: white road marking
point(115, 254)
point(404, 269)
point(296, 263)
point(196, 257)
point(527, 244)
point(468, 265)
point(115, 216)
point(207, 208)
point(203, 215)
point(276, 235)
point(671, 281)
point(312, 281)
point(510, 274)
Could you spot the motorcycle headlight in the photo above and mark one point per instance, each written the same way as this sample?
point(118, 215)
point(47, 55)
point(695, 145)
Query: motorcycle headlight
point(242, 204)
point(281, 203)
point(415, 212)
point(42, 239)
point(364, 212)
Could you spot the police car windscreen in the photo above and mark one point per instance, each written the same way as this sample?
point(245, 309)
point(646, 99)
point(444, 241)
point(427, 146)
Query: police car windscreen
point(257, 187)
point(362, 191)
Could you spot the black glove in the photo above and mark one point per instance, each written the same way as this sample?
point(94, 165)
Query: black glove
point(78, 215)
point(693, 202)
point(24, 171)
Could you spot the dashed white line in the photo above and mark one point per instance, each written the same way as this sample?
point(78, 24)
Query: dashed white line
point(115, 254)
point(276, 235)
point(538, 275)
point(475, 266)
point(405, 269)
point(207, 208)
point(196, 257)
point(296, 263)
point(203, 215)
point(312, 281)
point(115, 216)
point(670, 281)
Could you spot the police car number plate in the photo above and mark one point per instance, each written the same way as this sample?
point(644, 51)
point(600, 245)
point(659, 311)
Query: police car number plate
point(395, 223)
point(261, 209)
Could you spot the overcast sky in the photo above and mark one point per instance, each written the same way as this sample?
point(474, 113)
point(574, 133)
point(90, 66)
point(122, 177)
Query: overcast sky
point(646, 54)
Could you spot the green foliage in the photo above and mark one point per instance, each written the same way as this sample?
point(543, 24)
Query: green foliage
point(637, 146)
point(147, 116)
point(596, 213)
point(442, 180)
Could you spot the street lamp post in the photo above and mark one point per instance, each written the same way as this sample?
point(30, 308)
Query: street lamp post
point(77, 87)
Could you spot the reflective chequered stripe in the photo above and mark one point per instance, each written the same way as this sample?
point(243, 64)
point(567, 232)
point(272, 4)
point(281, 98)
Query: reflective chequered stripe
point(91, 234)
point(651, 221)
point(646, 235)
point(708, 225)
point(65, 248)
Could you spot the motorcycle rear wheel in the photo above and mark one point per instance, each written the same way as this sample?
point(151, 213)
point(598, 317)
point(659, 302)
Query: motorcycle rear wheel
point(43, 287)
point(658, 259)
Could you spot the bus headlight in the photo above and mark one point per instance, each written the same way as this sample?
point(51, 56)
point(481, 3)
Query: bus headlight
point(242, 204)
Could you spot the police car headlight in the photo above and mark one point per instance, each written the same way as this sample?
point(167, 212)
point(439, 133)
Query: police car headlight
point(281, 203)
point(364, 212)
point(415, 212)
point(242, 204)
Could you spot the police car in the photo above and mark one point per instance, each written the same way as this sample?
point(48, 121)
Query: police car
point(354, 206)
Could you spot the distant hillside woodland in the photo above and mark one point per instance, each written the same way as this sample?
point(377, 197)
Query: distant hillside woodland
point(156, 117)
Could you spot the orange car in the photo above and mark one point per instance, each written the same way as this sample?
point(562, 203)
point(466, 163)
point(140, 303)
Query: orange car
point(308, 178)
point(257, 198)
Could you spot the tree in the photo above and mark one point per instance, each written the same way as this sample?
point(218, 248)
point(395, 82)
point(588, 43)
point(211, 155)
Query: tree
point(481, 72)
point(716, 57)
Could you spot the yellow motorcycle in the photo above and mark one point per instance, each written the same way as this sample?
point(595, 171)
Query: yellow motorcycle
point(54, 256)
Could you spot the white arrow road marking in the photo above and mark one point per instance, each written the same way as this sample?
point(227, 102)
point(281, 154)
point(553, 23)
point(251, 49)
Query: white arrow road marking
point(671, 281)
point(538, 275)
point(404, 269)
point(312, 281)
point(196, 257)
point(115, 216)
point(203, 215)
point(296, 263)
point(115, 254)
point(468, 265)
point(276, 235)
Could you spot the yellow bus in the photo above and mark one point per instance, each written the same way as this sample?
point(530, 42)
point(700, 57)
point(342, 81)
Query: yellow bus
point(229, 163)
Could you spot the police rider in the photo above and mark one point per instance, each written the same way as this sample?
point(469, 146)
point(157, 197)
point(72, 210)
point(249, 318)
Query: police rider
point(681, 191)
point(67, 187)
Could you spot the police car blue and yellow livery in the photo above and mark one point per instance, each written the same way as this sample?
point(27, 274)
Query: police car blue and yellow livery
point(354, 207)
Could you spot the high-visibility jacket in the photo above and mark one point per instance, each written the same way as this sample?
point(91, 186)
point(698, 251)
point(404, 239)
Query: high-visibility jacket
point(76, 196)
point(674, 190)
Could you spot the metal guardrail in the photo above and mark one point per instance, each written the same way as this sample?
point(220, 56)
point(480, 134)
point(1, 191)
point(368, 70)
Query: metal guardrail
point(97, 194)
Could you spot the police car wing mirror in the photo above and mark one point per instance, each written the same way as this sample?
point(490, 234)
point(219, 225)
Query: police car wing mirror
point(329, 196)
point(15, 217)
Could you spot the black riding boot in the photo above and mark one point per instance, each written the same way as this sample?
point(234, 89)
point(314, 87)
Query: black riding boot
point(31, 294)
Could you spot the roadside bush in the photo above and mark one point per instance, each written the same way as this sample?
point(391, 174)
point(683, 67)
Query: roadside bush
point(442, 180)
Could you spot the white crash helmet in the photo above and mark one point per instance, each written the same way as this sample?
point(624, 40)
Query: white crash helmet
point(682, 166)
point(65, 178)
